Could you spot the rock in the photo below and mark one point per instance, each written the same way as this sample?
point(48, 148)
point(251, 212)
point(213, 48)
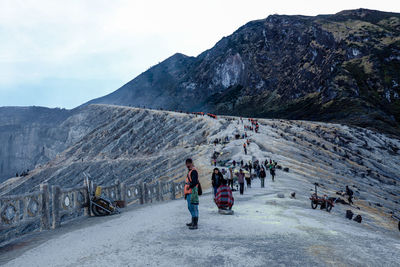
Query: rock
point(281, 195)
point(286, 169)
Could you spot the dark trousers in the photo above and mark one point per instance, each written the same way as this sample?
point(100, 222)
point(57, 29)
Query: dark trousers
point(262, 182)
point(230, 183)
point(241, 185)
point(248, 182)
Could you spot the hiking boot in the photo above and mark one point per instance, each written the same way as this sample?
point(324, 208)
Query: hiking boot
point(194, 225)
point(191, 223)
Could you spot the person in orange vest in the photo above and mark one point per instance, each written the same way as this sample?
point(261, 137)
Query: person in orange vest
point(244, 148)
point(191, 186)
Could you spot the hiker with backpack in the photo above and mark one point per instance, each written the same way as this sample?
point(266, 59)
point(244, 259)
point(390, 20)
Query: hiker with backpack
point(272, 170)
point(216, 179)
point(192, 190)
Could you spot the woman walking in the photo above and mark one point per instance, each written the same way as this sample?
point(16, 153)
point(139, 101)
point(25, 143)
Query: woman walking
point(216, 179)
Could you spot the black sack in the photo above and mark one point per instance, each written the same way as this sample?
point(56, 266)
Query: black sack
point(199, 189)
point(349, 214)
point(358, 218)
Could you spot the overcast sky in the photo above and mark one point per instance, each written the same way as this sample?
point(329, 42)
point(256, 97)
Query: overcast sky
point(64, 53)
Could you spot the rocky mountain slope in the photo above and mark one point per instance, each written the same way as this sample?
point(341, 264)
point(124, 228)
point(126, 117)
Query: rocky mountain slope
point(267, 228)
point(128, 144)
point(32, 136)
point(132, 145)
point(337, 68)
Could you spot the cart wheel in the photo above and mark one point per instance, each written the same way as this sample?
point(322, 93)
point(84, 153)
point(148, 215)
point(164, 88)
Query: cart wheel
point(328, 207)
point(99, 211)
point(314, 204)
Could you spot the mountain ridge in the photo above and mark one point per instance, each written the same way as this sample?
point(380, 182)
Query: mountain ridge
point(334, 68)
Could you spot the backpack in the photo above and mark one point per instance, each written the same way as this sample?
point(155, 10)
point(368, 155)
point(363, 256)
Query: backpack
point(199, 189)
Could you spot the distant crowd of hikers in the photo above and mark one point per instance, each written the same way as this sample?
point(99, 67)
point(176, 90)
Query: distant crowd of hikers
point(244, 174)
point(223, 183)
point(23, 173)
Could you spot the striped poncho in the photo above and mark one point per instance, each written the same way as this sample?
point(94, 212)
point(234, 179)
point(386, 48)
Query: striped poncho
point(224, 198)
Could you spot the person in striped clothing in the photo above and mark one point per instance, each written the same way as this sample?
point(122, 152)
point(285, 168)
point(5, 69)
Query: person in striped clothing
point(224, 197)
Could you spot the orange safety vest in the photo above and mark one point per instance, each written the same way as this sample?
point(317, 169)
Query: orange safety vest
point(187, 189)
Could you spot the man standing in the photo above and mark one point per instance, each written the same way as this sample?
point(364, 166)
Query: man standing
point(245, 148)
point(191, 193)
point(262, 176)
point(240, 176)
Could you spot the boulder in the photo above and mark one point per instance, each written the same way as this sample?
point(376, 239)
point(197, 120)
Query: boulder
point(281, 195)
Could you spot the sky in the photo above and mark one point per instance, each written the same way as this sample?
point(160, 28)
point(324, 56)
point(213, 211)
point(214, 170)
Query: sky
point(58, 53)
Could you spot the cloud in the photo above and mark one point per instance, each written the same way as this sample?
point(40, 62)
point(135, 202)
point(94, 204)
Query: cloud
point(77, 43)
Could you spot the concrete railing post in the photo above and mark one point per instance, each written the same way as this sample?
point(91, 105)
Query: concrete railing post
point(118, 191)
point(94, 187)
point(45, 216)
point(142, 193)
point(86, 196)
point(122, 189)
point(161, 187)
point(158, 191)
point(56, 206)
point(173, 192)
point(145, 193)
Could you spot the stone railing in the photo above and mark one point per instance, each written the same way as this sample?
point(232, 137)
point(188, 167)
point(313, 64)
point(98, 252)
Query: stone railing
point(24, 213)
point(41, 210)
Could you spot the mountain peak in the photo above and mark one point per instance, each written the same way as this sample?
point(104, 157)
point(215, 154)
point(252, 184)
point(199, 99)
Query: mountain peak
point(295, 67)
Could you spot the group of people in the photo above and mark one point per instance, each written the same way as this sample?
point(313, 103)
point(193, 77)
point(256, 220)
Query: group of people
point(223, 196)
point(254, 126)
point(256, 169)
point(24, 173)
